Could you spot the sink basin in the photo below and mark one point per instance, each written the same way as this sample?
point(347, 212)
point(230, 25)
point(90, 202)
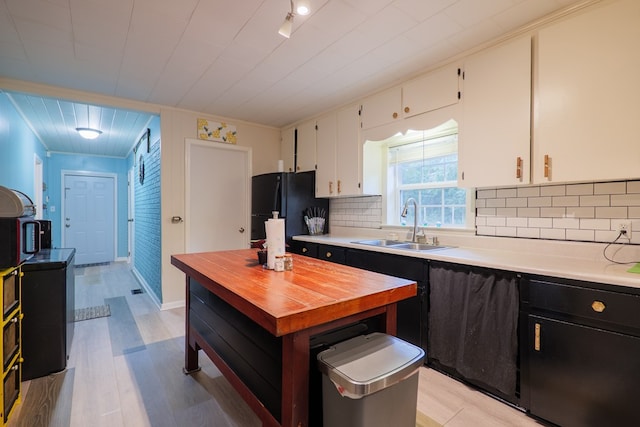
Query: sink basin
point(418, 246)
point(380, 242)
point(397, 244)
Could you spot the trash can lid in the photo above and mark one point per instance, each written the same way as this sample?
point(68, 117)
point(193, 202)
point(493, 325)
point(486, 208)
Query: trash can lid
point(369, 363)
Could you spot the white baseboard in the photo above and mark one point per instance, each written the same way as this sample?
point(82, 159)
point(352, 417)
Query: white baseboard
point(154, 297)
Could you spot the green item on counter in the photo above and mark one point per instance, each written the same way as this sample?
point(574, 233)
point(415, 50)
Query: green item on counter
point(635, 268)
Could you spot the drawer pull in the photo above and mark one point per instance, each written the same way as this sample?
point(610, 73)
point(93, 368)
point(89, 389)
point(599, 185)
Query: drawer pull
point(536, 342)
point(304, 250)
point(598, 306)
point(394, 115)
point(328, 254)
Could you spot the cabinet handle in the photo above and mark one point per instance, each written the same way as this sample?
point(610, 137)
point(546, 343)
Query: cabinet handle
point(536, 343)
point(547, 165)
point(395, 115)
point(339, 189)
point(519, 167)
point(305, 250)
point(407, 109)
point(330, 187)
point(328, 254)
point(598, 306)
point(298, 168)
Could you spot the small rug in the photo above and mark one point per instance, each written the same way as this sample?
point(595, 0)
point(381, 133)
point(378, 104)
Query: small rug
point(423, 421)
point(92, 312)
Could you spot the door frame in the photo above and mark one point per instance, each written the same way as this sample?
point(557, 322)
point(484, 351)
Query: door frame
point(64, 173)
point(189, 142)
point(38, 181)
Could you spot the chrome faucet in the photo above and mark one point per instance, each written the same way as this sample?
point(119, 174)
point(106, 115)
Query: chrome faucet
point(415, 219)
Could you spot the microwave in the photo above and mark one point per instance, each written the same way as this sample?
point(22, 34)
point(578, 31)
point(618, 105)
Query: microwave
point(19, 240)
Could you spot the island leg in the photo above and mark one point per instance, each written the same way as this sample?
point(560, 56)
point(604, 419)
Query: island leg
point(295, 379)
point(190, 346)
point(391, 319)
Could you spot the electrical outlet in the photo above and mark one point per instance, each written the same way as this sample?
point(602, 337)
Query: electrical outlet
point(625, 228)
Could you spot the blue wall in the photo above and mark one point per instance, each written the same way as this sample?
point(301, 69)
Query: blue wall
point(147, 247)
point(17, 147)
point(70, 162)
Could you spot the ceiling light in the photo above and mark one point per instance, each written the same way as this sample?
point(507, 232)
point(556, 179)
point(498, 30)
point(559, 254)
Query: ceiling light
point(88, 133)
point(287, 25)
point(303, 7)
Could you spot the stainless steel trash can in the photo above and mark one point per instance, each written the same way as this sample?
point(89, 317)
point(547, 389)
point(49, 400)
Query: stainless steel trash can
point(370, 380)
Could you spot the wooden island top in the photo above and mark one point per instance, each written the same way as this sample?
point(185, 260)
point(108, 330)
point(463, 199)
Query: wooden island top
point(228, 291)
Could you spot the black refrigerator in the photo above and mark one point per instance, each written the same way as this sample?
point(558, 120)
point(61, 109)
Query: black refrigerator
point(288, 193)
point(48, 305)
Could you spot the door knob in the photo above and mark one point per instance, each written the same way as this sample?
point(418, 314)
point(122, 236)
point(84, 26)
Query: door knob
point(241, 229)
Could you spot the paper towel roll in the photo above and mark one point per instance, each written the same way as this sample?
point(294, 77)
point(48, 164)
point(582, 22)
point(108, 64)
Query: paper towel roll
point(275, 240)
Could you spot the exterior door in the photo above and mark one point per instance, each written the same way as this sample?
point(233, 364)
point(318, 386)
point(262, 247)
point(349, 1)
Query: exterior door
point(218, 189)
point(89, 218)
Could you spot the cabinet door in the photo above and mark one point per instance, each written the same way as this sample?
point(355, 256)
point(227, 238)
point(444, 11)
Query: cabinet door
point(326, 138)
point(306, 146)
point(494, 145)
point(587, 96)
point(287, 148)
point(582, 376)
point(349, 151)
point(382, 108)
point(434, 90)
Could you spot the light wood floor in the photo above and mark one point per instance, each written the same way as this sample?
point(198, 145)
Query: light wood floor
point(126, 370)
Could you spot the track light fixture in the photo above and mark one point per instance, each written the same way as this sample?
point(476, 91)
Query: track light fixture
point(302, 8)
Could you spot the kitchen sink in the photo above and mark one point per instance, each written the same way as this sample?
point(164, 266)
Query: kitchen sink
point(397, 244)
point(380, 242)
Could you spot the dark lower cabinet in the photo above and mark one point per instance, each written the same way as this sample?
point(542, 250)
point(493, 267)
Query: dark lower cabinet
point(583, 376)
point(581, 353)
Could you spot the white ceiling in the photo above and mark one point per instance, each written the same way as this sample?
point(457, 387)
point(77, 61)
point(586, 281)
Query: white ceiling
point(226, 58)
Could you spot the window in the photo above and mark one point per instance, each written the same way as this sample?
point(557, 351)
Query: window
point(423, 165)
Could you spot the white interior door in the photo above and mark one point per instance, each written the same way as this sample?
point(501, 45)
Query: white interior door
point(89, 217)
point(218, 189)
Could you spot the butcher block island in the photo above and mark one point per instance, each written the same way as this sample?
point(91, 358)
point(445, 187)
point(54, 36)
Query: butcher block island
point(258, 325)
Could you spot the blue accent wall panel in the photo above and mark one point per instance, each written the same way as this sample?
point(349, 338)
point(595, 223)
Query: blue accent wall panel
point(17, 147)
point(147, 247)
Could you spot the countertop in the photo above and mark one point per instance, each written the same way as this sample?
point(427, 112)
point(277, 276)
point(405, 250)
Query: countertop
point(571, 260)
point(314, 293)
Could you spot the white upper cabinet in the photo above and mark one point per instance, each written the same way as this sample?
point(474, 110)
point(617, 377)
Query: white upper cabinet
point(494, 144)
point(382, 108)
point(587, 109)
point(326, 141)
point(306, 146)
point(436, 89)
point(287, 148)
point(339, 154)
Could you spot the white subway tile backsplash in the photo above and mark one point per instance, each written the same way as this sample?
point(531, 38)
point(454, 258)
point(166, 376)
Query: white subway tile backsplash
point(633, 187)
point(553, 212)
point(566, 201)
point(613, 212)
point(581, 235)
point(581, 212)
point(528, 191)
point(506, 192)
point(625, 200)
point(579, 189)
point(610, 188)
point(517, 202)
point(539, 202)
point(553, 190)
point(495, 203)
point(602, 200)
point(553, 233)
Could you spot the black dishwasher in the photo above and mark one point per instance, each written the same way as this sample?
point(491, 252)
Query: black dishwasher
point(48, 305)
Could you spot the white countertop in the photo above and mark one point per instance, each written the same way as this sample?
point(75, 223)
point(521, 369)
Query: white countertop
point(571, 260)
